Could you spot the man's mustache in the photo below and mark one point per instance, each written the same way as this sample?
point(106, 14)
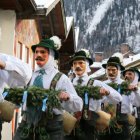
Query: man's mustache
point(110, 75)
point(126, 78)
point(78, 69)
point(39, 58)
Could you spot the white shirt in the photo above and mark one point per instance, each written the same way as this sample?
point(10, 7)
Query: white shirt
point(95, 105)
point(75, 103)
point(16, 73)
point(127, 101)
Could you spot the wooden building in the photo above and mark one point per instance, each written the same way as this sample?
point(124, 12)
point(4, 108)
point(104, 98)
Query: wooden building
point(24, 23)
point(33, 22)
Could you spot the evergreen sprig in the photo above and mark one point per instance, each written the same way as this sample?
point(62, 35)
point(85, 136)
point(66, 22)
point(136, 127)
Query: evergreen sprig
point(93, 91)
point(123, 87)
point(35, 96)
point(14, 95)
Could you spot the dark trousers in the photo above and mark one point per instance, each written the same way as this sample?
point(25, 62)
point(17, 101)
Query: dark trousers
point(113, 134)
point(0, 129)
point(137, 133)
point(84, 131)
point(53, 130)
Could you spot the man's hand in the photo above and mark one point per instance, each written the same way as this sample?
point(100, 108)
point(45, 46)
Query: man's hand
point(63, 96)
point(2, 65)
point(104, 92)
point(132, 87)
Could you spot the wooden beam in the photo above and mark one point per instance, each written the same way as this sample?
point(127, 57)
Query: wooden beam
point(51, 24)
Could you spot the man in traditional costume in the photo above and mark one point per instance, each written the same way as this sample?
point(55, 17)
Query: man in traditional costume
point(92, 117)
point(13, 73)
point(39, 125)
point(123, 123)
point(132, 75)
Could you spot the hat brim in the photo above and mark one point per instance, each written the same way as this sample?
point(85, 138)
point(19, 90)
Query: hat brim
point(123, 72)
point(113, 64)
point(83, 58)
point(33, 47)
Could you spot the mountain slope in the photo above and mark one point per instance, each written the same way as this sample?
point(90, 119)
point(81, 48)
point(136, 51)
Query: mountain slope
point(106, 23)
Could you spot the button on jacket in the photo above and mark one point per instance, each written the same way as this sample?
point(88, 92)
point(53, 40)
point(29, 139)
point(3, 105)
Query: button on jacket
point(15, 73)
point(95, 105)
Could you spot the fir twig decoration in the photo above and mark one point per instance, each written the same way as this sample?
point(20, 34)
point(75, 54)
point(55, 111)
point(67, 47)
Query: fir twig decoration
point(35, 96)
point(93, 91)
point(123, 87)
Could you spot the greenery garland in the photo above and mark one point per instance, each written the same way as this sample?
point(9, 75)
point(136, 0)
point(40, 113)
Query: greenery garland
point(35, 97)
point(123, 87)
point(93, 91)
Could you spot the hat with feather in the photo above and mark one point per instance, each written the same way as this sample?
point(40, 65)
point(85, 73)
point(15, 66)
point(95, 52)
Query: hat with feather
point(82, 54)
point(53, 43)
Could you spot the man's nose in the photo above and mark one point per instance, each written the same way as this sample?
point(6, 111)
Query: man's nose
point(126, 77)
point(110, 72)
point(77, 65)
point(38, 54)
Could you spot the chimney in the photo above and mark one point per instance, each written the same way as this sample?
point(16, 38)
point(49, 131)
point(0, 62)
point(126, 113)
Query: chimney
point(98, 56)
point(125, 49)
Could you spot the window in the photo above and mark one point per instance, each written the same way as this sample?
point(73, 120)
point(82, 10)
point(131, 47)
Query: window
point(26, 55)
point(19, 50)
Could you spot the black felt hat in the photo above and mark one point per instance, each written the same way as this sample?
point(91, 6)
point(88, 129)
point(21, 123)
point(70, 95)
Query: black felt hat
point(133, 69)
point(82, 54)
point(113, 61)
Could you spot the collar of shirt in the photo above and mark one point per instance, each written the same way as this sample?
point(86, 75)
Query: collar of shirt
point(47, 69)
point(85, 79)
point(118, 80)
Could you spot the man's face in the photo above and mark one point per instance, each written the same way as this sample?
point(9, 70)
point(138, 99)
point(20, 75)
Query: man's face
point(41, 56)
point(129, 75)
point(79, 67)
point(112, 72)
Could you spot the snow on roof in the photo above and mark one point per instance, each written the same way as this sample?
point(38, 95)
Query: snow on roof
point(69, 21)
point(48, 3)
point(126, 61)
point(44, 3)
point(76, 29)
point(98, 73)
point(40, 2)
point(131, 59)
point(104, 61)
point(96, 65)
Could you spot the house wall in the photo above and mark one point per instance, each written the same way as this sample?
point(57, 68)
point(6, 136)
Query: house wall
point(7, 31)
point(27, 34)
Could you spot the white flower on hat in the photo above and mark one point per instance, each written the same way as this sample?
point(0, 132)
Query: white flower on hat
point(57, 42)
point(86, 52)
